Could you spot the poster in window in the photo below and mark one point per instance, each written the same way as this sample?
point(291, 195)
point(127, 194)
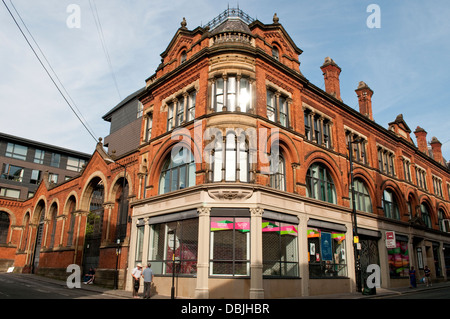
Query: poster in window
point(326, 247)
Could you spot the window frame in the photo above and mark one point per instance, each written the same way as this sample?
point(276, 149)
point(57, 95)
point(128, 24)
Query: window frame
point(269, 226)
point(277, 102)
point(16, 151)
point(393, 211)
point(213, 260)
point(362, 195)
point(5, 223)
point(6, 173)
point(325, 185)
point(278, 178)
point(186, 264)
point(232, 93)
point(325, 268)
point(230, 146)
point(169, 168)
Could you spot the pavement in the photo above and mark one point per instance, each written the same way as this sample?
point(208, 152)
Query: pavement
point(380, 292)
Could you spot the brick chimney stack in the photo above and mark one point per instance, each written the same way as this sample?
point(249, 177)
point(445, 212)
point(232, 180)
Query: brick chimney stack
point(421, 136)
point(331, 72)
point(364, 94)
point(436, 147)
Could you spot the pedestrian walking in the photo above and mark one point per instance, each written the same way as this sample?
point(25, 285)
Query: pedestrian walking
point(136, 274)
point(427, 272)
point(412, 278)
point(148, 278)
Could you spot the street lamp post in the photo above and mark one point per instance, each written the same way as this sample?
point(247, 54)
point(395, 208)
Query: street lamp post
point(172, 292)
point(354, 219)
point(116, 275)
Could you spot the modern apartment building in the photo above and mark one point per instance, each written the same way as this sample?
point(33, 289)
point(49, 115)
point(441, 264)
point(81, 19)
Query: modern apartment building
point(24, 164)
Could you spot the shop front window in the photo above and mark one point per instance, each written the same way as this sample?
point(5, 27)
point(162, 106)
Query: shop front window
point(230, 246)
point(326, 253)
point(280, 250)
point(179, 238)
point(398, 259)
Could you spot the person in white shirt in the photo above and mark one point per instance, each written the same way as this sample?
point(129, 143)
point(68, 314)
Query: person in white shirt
point(136, 274)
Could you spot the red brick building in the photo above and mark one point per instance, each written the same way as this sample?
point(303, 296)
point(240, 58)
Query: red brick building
point(243, 172)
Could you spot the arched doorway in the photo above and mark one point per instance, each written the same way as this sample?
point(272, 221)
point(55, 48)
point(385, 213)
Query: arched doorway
point(94, 225)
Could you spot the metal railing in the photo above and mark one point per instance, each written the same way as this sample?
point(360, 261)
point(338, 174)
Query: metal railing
point(230, 12)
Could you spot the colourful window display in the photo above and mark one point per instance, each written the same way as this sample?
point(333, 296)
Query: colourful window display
point(230, 246)
point(398, 259)
point(280, 249)
point(326, 253)
point(184, 240)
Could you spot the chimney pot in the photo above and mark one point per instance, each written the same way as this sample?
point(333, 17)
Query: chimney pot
point(421, 136)
point(364, 93)
point(436, 148)
point(331, 72)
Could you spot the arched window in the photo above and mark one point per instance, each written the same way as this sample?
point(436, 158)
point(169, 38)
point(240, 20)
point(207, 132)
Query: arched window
point(275, 53)
point(178, 171)
point(25, 232)
point(230, 160)
point(362, 197)
point(278, 173)
point(183, 57)
point(319, 184)
point(53, 215)
point(443, 222)
point(390, 205)
point(71, 213)
point(426, 215)
point(4, 227)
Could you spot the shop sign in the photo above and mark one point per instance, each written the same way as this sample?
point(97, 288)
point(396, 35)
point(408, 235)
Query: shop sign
point(390, 240)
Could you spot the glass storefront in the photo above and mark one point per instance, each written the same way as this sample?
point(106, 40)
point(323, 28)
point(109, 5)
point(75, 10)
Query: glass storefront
point(326, 252)
point(398, 259)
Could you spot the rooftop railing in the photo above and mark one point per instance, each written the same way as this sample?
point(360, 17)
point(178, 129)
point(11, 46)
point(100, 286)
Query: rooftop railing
point(229, 13)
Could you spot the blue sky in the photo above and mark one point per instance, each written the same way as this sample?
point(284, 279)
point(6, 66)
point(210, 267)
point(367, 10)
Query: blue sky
point(404, 61)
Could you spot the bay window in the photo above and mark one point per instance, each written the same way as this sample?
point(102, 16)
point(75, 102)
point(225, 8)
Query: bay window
point(232, 93)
